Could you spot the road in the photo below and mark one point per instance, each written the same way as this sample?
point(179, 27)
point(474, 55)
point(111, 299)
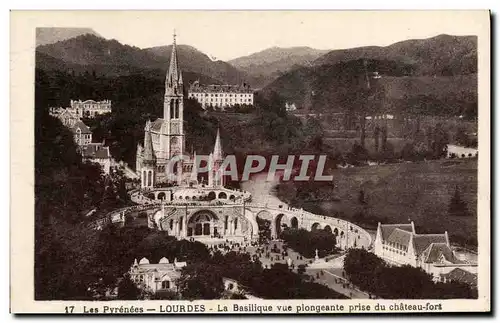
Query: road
point(330, 273)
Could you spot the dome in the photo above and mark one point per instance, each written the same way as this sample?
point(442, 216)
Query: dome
point(144, 261)
point(163, 261)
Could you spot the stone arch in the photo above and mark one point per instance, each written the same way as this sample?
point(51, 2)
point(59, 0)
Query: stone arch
point(172, 115)
point(211, 196)
point(328, 229)
point(264, 215)
point(315, 226)
point(222, 195)
point(335, 232)
point(232, 197)
point(278, 223)
point(294, 223)
point(161, 196)
point(195, 197)
point(188, 198)
point(177, 108)
point(203, 222)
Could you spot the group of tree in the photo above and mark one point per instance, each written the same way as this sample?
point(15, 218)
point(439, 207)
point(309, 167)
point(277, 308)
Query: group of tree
point(72, 260)
point(205, 280)
point(457, 206)
point(307, 242)
point(236, 108)
point(372, 274)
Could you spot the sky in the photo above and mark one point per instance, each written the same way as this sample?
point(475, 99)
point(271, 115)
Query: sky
point(226, 35)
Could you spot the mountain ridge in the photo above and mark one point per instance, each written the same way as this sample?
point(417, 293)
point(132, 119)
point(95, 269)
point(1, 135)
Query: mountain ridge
point(111, 58)
point(51, 35)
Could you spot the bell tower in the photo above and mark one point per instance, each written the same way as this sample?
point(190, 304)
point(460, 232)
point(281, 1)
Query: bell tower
point(173, 108)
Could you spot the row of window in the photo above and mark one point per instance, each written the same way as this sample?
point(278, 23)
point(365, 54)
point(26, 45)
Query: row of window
point(80, 136)
point(394, 250)
point(230, 100)
point(396, 246)
point(221, 95)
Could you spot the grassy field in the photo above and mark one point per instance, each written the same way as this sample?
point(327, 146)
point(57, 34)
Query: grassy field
point(399, 192)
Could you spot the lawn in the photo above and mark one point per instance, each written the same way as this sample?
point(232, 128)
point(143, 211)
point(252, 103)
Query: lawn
point(397, 193)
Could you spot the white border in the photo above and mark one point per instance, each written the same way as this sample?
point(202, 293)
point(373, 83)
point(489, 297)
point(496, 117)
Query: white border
point(255, 4)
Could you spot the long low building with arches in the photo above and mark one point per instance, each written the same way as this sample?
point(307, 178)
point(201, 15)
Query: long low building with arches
point(205, 213)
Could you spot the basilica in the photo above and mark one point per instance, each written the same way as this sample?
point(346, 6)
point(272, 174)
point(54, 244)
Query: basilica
point(163, 157)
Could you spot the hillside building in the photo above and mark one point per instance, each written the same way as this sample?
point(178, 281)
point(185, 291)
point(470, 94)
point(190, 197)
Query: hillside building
point(81, 133)
point(221, 96)
point(156, 278)
point(98, 153)
point(90, 108)
point(455, 151)
point(399, 244)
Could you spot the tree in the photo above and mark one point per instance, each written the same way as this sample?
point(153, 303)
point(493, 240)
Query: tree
point(361, 197)
point(127, 290)
point(201, 281)
point(376, 133)
point(457, 207)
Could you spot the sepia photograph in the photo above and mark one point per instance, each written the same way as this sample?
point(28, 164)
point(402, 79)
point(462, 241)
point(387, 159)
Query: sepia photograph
point(245, 157)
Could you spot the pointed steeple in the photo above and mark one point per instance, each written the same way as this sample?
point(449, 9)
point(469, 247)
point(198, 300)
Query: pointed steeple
point(173, 77)
point(149, 154)
point(218, 147)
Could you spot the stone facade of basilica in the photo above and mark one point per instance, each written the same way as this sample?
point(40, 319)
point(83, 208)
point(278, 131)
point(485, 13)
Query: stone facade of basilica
point(159, 160)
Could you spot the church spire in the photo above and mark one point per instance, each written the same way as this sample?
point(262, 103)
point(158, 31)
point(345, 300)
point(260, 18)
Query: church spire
point(173, 75)
point(217, 147)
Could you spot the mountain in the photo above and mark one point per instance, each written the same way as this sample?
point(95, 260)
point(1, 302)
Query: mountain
point(92, 50)
point(443, 55)
point(192, 60)
point(341, 87)
point(270, 63)
point(111, 58)
point(50, 35)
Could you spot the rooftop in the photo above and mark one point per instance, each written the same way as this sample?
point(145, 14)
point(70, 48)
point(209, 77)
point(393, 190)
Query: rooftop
point(79, 125)
point(96, 150)
point(215, 88)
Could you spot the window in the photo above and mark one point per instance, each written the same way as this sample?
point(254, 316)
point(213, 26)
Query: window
point(165, 284)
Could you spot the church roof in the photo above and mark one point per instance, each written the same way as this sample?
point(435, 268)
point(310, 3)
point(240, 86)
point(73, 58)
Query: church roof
point(399, 237)
point(157, 124)
point(435, 251)
point(387, 229)
point(422, 241)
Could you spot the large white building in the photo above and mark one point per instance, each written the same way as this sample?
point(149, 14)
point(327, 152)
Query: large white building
point(221, 96)
point(90, 108)
point(399, 244)
point(164, 140)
